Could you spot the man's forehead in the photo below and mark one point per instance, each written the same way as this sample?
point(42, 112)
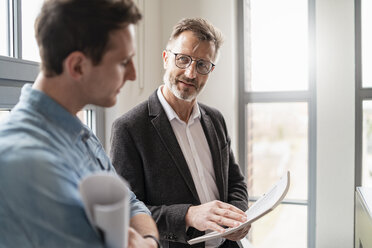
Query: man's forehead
point(122, 37)
point(187, 42)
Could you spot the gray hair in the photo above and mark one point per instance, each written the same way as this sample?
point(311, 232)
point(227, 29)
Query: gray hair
point(201, 28)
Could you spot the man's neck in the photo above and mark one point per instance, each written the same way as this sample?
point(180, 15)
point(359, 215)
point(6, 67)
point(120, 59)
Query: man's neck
point(60, 90)
point(182, 108)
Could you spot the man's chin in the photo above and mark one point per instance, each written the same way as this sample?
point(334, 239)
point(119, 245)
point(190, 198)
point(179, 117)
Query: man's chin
point(187, 98)
point(179, 94)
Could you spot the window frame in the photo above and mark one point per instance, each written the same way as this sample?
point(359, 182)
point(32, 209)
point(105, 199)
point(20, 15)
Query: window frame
point(309, 96)
point(361, 94)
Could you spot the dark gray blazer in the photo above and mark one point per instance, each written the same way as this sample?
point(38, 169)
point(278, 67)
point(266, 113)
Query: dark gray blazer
point(145, 151)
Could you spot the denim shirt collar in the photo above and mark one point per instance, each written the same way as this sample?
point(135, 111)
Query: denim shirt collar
point(54, 111)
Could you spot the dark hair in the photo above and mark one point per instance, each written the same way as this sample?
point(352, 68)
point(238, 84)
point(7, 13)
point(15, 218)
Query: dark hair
point(201, 28)
point(65, 26)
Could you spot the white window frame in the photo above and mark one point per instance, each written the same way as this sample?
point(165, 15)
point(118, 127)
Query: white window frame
point(361, 94)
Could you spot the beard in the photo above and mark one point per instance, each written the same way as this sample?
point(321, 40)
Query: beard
point(186, 94)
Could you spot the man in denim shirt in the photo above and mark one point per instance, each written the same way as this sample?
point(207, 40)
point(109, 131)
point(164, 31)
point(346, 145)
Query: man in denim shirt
point(86, 47)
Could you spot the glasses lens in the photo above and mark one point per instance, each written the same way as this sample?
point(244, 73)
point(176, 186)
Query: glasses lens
point(183, 61)
point(203, 67)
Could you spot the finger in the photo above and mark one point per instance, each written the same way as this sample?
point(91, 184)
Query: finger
point(131, 237)
point(229, 207)
point(238, 235)
point(230, 214)
point(223, 221)
point(235, 236)
point(210, 225)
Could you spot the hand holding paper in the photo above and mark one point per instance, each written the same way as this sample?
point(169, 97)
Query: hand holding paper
point(212, 215)
point(262, 206)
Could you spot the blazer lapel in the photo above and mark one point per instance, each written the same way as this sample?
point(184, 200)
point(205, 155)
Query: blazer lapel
point(167, 136)
point(214, 146)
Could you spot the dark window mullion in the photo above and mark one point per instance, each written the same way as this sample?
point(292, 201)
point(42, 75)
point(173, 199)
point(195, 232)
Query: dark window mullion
point(17, 28)
point(277, 97)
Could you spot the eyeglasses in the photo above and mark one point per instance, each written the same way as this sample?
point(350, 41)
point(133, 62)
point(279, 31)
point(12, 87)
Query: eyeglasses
point(183, 61)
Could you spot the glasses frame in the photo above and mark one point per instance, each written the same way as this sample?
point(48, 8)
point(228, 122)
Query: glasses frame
point(191, 60)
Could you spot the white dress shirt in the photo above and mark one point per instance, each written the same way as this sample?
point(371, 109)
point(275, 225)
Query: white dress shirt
point(195, 149)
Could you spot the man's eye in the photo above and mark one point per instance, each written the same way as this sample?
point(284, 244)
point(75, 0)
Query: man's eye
point(203, 64)
point(184, 59)
point(124, 63)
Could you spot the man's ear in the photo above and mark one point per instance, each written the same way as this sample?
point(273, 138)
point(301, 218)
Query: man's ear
point(165, 59)
point(76, 64)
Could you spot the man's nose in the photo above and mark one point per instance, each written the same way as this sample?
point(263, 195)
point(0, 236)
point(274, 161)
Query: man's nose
point(130, 71)
point(191, 70)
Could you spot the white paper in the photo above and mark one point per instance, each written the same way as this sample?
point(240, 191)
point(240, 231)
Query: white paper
point(262, 206)
point(106, 203)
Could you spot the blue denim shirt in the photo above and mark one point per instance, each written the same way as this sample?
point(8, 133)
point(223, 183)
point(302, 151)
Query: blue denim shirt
point(44, 153)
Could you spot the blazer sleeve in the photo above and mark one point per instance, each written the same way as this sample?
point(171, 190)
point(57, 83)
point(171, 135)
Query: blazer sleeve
point(126, 158)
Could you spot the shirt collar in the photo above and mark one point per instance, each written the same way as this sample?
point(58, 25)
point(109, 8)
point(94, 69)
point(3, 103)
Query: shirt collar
point(171, 114)
point(54, 112)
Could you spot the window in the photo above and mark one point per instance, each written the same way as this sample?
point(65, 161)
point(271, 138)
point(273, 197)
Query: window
point(363, 105)
point(4, 113)
point(366, 19)
point(87, 116)
point(14, 71)
point(4, 50)
point(278, 41)
point(30, 10)
point(276, 145)
point(367, 144)
point(277, 116)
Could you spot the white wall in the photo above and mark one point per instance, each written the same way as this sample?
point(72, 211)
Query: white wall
point(221, 89)
point(335, 123)
point(131, 94)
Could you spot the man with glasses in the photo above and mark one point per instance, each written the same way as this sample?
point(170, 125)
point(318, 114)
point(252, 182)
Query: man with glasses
point(175, 152)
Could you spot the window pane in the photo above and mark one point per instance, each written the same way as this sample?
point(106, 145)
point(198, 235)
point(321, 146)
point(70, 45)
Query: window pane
point(3, 114)
point(277, 142)
point(30, 10)
point(83, 116)
point(367, 144)
point(366, 43)
point(4, 28)
point(278, 45)
point(86, 117)
point(284, 227)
